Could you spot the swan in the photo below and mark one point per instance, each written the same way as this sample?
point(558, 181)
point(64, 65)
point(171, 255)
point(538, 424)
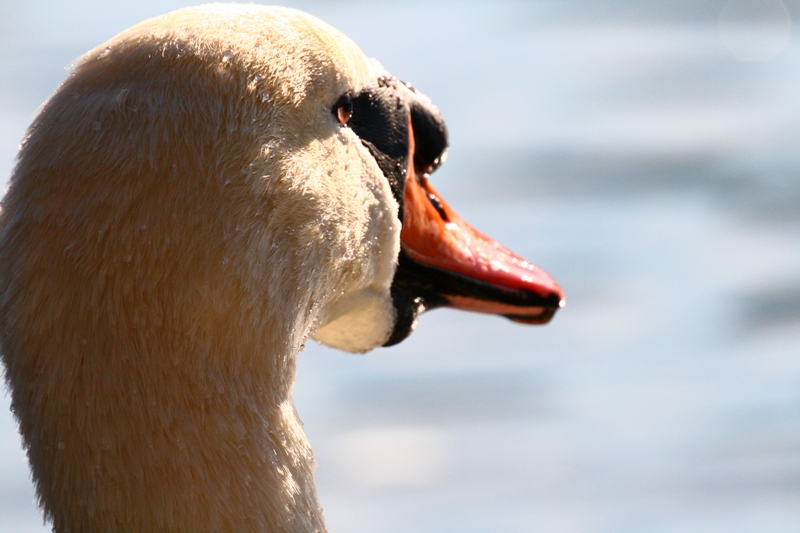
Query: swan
point(203, 193)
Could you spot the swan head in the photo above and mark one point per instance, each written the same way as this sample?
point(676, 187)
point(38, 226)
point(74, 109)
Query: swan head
point(262, 143)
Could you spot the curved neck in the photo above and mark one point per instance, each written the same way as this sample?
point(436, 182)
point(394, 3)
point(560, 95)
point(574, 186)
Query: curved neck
point(177, 449)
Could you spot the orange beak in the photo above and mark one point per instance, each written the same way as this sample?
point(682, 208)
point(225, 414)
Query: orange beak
point(469, 270)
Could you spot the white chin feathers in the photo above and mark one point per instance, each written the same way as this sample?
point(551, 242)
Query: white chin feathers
point(359, 322)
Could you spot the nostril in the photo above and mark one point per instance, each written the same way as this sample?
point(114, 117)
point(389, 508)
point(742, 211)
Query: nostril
point(438, 205)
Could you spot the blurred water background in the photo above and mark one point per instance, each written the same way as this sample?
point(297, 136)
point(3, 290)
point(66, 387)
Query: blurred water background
point(644, 153)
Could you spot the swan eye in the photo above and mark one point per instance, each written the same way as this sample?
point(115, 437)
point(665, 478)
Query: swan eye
point(343, 109)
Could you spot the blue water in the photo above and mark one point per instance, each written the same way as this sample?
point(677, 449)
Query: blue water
point(646, 155)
